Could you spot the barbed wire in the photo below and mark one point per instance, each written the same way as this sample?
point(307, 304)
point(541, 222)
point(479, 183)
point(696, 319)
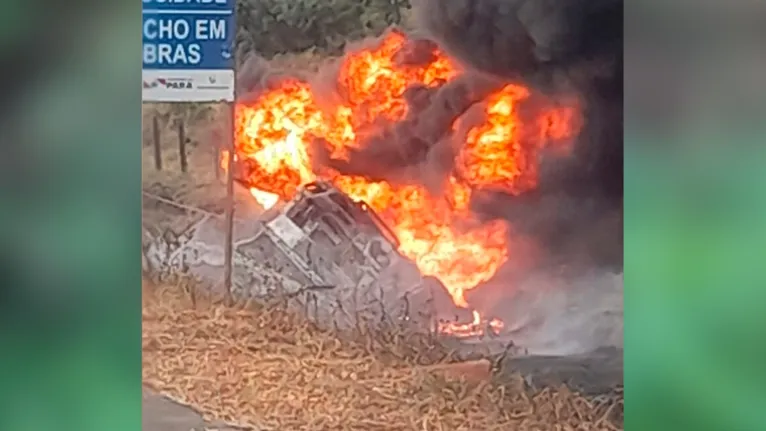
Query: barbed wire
point(186, 207)
point(179, 204)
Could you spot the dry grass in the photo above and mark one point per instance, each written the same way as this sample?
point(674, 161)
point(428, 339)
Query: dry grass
point(267, 369)
point(200, 179)
point(199, 187)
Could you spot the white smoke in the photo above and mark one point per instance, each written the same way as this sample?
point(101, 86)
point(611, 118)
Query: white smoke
point(563, 315)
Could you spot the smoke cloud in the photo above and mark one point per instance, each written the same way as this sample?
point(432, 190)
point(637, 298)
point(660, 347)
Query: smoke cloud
point(556, 47)
point(561, 314)
point(417, 148)
point(575, 215)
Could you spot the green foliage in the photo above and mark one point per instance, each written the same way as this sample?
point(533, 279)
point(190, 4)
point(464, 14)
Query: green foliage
point(271, 27)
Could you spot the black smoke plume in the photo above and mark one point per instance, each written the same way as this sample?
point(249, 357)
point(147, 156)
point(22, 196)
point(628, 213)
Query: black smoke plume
point(553, 46)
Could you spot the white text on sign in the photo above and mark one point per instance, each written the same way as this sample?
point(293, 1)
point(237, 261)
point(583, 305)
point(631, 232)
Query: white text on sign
point(177, 39)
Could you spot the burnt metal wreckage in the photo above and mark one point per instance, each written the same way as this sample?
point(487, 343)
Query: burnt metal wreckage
point(334, 257)
point(322, 238)
point(336, 261)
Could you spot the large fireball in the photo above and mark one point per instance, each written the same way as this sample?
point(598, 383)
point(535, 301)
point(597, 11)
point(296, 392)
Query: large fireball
point(274, 136)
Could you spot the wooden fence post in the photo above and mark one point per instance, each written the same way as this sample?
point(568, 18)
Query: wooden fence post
point(157, 144)
point(217, 156)
point(182, 146)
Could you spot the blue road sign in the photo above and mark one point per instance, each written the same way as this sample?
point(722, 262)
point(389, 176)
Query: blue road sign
point(188, 34)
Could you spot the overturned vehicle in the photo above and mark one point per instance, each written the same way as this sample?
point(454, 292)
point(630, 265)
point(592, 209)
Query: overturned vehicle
point(331, 256)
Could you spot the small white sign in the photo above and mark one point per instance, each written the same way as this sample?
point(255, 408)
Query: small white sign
point(188, 85)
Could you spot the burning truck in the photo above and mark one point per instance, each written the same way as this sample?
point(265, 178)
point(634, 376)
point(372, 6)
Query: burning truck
point(402, 131)
point(331, 257)
point(345, 260)
point(369, 171)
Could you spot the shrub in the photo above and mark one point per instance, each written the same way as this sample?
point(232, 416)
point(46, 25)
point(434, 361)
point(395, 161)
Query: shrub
point(270, 27)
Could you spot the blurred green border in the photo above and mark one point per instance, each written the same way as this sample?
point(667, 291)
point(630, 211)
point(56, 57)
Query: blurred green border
point(71, 347)
point(695, 289)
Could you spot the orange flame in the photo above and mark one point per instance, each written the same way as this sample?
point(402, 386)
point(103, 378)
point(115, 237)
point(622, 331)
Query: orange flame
point(439, 233)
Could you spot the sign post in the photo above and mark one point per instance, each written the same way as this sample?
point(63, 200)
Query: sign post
point(229, 239)
point(188, 56)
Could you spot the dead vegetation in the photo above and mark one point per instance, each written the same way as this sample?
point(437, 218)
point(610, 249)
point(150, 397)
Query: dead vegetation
point(266, 369)
point(202, 123)
point(168, 191)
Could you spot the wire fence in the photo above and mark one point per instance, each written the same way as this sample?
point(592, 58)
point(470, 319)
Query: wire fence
point(183, 143)
point(219, 144)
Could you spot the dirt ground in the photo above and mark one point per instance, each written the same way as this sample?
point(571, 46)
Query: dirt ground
point(264, 369)
point(160, 413)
